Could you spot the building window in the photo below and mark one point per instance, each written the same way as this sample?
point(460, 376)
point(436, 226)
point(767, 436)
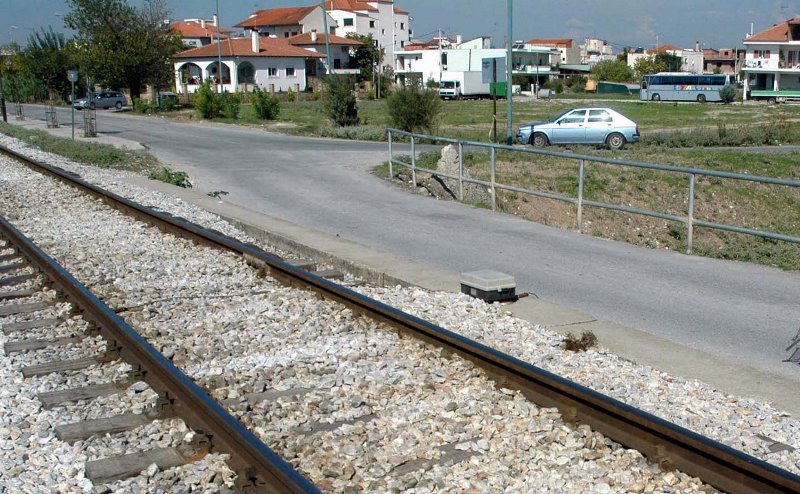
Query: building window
point(383, 31)
point(289, 71)
point(375, 42)
point(402, 44)
point(246, 73)
point(402, 25)
point(345, 49)
point(272, 71)
point(286, 34)
point(372, 24)
point(348, 21)
point(766, 54)
point(337, 64)
point(294, 33)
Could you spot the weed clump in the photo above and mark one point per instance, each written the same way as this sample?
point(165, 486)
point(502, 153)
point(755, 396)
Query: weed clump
point(574, 344)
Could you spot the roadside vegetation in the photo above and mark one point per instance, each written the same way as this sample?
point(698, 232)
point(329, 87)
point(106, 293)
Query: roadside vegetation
point(765, 207)
point(100, 155)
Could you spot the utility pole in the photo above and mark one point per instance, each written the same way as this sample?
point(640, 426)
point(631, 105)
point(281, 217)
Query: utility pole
point(219, 49)
point(3, 98)
point(509, 72)
point(327, 40)
point(440, 58)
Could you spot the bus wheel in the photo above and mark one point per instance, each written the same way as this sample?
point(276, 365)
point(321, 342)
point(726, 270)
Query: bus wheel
point(615, 141)
point(701, 98)
point(656, 97)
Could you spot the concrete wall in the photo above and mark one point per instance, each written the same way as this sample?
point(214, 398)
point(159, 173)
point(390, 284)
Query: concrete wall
point(756, 56)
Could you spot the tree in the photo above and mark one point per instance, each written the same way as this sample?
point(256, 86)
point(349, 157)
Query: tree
point(413, 108)
point(48, 56)
point(340, 101)
point(662, 62)
point(121, 46)
point(612, 71)
point(366, 57)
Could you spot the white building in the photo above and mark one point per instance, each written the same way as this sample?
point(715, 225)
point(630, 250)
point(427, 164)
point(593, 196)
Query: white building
point(426, 63)
point(388, 25)
point(288, 22)
point(594, 51)
point(273, 64)
point(691, 60)
point(772, 62)
point(199, 32)
point(569, 53)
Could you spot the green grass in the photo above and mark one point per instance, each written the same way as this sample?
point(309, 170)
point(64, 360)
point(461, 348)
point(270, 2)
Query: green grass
point(100, 155)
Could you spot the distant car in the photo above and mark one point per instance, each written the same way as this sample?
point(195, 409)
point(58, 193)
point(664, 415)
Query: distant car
point(581, 126)
point(102, 99)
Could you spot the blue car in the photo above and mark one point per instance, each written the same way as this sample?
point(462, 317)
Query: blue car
point(600, 126)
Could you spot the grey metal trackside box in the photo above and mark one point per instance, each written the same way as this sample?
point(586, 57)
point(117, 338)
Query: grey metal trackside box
point(488, 285)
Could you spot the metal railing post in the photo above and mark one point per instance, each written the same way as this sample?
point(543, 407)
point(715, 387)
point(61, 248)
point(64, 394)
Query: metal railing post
point(460, 171)
point(581, 174)
point(494, 169)
point(413, 162)
point(391, 171)
point(690, 217)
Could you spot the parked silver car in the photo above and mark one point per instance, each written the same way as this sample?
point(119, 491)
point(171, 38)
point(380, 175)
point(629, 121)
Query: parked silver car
point(102, 99)
point(581, 126)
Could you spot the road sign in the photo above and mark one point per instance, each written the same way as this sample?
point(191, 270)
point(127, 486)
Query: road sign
point(486, 70)
point(72, 75)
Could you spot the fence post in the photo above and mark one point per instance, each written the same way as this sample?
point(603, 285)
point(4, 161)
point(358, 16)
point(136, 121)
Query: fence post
point(494, 168)
point(581, 174)
point(460, 171)
point(690, 217)
point(391, 172)
point(413, 162)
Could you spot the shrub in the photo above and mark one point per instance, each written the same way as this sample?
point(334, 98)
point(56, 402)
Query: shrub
point(230, 105)
point(169, 104)
point(585, 342)
point(181, 179)
point(143, 106)
point(266, 106)
point(290, 96)
point(728, 94)
point(206, 102)
point(340, 101)
point(413, 108)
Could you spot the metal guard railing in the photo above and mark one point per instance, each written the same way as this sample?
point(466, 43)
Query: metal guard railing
point(688, 220)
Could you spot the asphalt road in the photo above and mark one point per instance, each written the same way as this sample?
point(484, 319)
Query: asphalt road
point(744, 312)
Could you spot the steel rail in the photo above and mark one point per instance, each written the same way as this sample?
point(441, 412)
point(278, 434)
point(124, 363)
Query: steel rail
point(665, 443)
point(192, 403)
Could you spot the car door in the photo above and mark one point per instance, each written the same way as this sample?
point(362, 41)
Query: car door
point(598, 125)
point(571, 128)
point(101, 100)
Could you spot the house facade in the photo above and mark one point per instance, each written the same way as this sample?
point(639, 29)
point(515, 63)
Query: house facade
point(289, 21)
point(691, 60)
point(569, 52)
point(594, 51)
point(772, 62)
point(199, 32)
point(388, 24)
point(429, 63)
point(272, 64)
point(723, 61)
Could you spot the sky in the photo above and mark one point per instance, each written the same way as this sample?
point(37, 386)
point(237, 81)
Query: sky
point(634, 23)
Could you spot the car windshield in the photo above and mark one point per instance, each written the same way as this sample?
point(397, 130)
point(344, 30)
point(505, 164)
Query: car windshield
point(559, 115)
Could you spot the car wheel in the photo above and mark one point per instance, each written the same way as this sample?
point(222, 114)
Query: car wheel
point(615, 141)
point(701, 98)
point(539, 140)
point(118, 105)
point(772, 101)
point(656, 97)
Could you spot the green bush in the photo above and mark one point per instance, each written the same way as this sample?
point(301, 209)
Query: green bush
point(340, 100)
point(728, 94)
point(169, 104)
point(265, 105)
point(143, 106)
point(181, 179)
point(290, 96)
point(206, 102)
point(230, 105)
point(356, 132)
point(414, 109)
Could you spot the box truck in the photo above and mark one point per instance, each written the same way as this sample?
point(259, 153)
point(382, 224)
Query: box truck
point(463, 84)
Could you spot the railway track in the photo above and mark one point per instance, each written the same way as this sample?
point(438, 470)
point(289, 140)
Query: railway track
point(668, 445)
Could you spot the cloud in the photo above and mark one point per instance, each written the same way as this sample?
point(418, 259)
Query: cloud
point(578, 23)
point(644, 28)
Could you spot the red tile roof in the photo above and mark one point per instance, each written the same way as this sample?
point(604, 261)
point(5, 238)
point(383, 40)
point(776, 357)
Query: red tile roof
point(664, 49)
point(779, 32)
point(242, 47)
point(305, 39)
point(194, 29)
point(398, 10)
point(349, 5)
point(565, 42)
point(288, 16)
